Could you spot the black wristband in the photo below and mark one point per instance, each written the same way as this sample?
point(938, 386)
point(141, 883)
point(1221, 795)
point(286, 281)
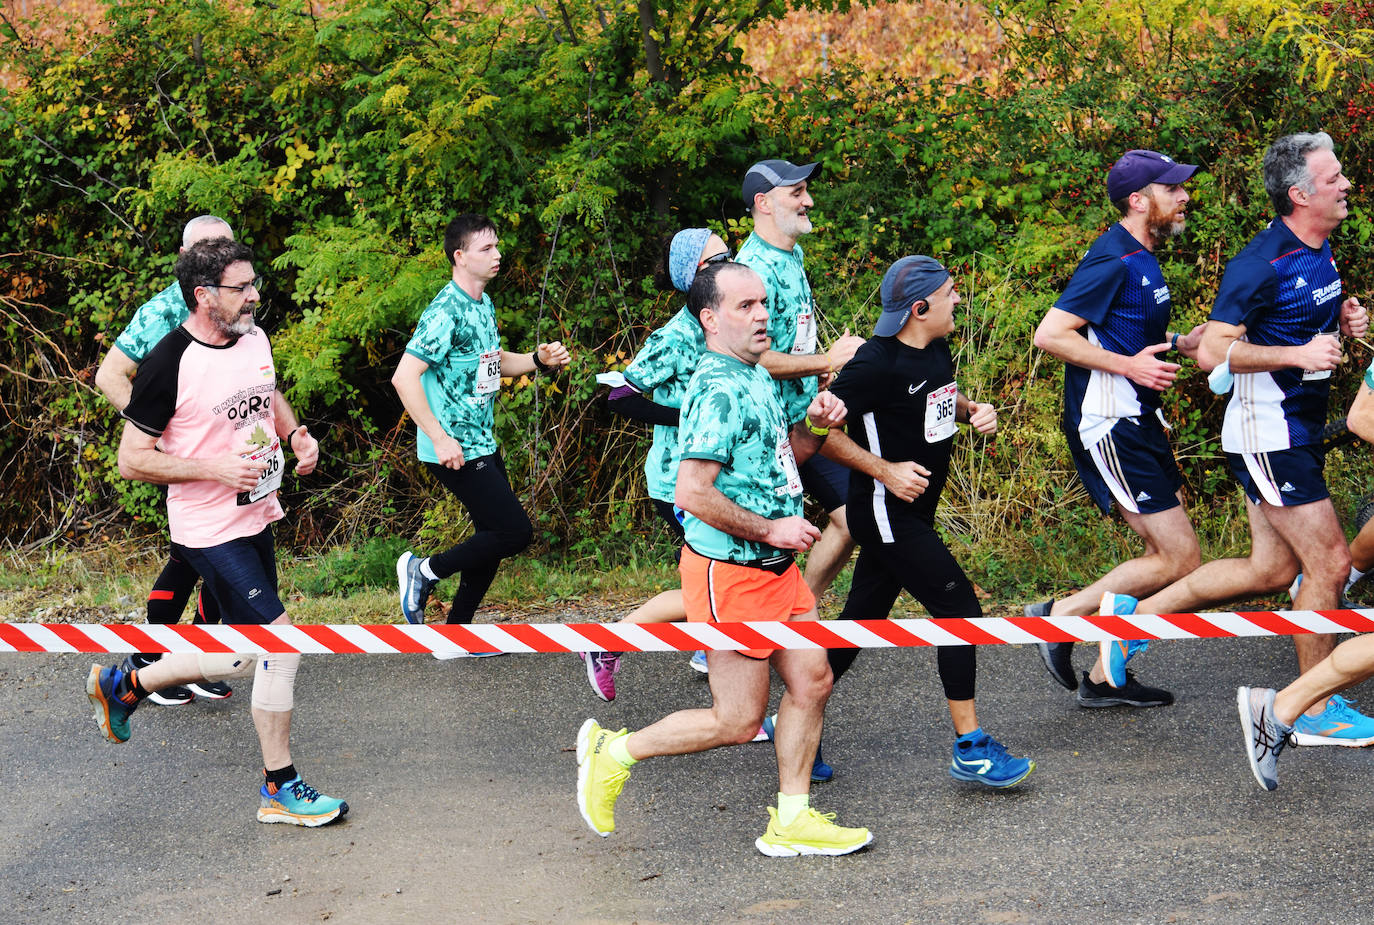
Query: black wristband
point(289, 445)
point(1173, 341)
point(539, 366)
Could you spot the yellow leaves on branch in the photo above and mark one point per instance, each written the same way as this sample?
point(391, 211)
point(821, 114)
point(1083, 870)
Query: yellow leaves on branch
point(1328, 48)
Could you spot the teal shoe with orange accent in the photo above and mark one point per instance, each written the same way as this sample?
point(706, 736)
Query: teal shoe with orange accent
point(111, 692)
point(298, 803)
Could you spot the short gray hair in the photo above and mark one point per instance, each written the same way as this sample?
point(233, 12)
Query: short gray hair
point(196, 229)
point(1285, 166)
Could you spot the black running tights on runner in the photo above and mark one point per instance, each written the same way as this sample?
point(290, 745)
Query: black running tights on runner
point(174, 586)
point(919, 562)
point(501, 528)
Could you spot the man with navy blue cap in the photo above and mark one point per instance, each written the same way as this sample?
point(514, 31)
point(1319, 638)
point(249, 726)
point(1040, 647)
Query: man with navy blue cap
point(1111, 328)
point(903, 405)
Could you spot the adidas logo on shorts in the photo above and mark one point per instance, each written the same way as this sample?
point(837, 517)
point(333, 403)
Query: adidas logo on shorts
point(1143, 496)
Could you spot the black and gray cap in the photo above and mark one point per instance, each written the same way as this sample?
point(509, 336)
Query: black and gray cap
point(766, 175)
point(907, 281)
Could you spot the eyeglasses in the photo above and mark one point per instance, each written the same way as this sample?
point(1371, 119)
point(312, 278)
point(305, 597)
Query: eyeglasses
point(723, 257)
point(255, 284)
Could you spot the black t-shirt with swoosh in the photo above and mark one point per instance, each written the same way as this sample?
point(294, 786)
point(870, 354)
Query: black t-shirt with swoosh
point(901, 407)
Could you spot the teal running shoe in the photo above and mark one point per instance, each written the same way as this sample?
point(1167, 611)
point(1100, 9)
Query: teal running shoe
point(298, 803)
point(111, 692)
point(1117, 652)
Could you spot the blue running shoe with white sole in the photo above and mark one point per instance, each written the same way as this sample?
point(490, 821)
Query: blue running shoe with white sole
point(1117, 652)
point(698, 662)
point(979, 758)
point(111, 694)
point(1339, 724)
point(820, 771)
point(298, 803)
point(415, 587)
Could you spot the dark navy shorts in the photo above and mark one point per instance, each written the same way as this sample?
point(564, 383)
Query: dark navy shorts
point(825, 480)
point(1133, 465)
point(241, 575)
point(1283, 478)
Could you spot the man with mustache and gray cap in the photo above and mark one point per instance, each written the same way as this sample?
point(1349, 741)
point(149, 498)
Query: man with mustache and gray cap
point(1110, 327)
point(904, 405)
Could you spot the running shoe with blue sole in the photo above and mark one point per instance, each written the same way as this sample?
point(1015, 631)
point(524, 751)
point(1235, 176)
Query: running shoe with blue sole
point(820, 771)
point(979, 758)
point(1117, 652)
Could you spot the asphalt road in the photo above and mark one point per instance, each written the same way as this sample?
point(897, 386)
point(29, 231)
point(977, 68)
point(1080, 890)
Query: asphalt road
point(460, 778)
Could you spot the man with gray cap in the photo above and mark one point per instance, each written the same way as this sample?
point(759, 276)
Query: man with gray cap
point(775, 192)
point(904, 404)
point(1111, 327)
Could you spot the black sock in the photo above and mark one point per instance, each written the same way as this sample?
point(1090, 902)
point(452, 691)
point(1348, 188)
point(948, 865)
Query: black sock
point(134, 684)
point(281, 776)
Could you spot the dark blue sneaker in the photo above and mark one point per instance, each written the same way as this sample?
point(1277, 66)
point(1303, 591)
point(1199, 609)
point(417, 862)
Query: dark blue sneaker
point(820, 771)
point(980, 758)
point(112, 695)
point(415, 587)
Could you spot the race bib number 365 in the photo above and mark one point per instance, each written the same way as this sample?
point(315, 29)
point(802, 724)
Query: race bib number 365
point(940, 405)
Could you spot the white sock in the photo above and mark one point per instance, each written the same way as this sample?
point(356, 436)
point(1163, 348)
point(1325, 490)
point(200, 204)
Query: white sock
point(1355, 575)
point(426, 571)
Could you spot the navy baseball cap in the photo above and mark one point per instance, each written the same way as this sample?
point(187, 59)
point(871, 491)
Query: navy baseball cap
point(1137, 169)
point(906, 281)
point(766, 175)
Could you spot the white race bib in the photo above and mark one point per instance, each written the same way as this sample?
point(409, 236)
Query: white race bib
point(940, 405)
point(806, 333)
point(269, 480)
point(788, 463)
point(489, 372)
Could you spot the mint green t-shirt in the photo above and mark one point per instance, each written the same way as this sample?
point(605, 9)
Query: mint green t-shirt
point(731, 415)
point(153, 321)
point(457, 337)
point(663, 367)
point(791, 314)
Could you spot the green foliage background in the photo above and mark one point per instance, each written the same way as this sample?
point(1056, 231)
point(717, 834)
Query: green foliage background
point(339, 142)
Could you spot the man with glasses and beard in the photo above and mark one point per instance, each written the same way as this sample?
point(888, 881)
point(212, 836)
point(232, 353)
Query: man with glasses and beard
point(1110, 327)
point(207, 420)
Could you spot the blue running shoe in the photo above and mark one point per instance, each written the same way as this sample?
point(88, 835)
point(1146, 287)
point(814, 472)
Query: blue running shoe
point(1117, 652)
point(820, 771)
point(415, 587)
point(980, 758)
point(1339, 724)
point(111, 693)
point(298, 803)
point(698, 662)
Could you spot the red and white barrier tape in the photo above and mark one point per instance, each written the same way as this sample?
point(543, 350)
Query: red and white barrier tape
point(390, 638)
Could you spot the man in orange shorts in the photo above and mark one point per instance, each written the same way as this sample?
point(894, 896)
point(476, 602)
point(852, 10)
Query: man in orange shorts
point(739, 486)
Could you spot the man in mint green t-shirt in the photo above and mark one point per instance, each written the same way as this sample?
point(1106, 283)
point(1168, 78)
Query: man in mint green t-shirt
point(447, 381)
point(738, 484)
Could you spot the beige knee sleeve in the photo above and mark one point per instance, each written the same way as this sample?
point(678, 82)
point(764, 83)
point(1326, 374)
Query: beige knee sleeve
point(221, 666)
point(274, 684)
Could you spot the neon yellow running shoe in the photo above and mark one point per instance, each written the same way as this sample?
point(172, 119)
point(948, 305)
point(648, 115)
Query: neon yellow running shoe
point(809, 833)
point(600, 778)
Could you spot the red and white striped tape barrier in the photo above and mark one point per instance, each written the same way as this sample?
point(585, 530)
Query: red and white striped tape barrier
point(390, 638)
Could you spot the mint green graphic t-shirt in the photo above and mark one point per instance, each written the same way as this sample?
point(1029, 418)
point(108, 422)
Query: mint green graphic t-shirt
point(154, 320)
point(731, 415)
point(457, 337)
point(791, 314)
point(663, 367)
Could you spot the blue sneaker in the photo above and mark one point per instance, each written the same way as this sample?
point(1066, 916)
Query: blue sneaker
point(980, 758)
point(415, 587)
point(698, 662)
point(112, 695)
point(820, 771)
point(1117, 652)
point(1339, 724)
point(298, 803)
